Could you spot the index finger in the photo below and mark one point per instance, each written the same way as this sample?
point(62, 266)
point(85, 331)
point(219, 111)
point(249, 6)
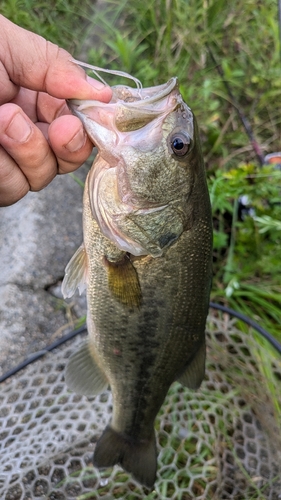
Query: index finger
point(37, 64)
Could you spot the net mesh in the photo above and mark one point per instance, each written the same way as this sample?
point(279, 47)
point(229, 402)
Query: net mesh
point(220, 442)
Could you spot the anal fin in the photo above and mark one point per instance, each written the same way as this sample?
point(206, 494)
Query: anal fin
point(195, 370)
point(83, 375)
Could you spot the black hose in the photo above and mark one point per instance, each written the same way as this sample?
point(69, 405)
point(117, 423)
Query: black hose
point(70, 335)
point(40, 354)
point(249, 322)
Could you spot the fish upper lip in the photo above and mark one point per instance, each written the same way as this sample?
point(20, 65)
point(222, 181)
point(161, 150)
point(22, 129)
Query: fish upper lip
point(149, 95)
point(158, 93)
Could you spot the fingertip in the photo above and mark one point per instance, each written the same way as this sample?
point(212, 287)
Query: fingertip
point(67, 135)
point(13, 183)
point(69, 142)
point(103, 92)
point(67, 80)
point(77, 142)
point(26, 152)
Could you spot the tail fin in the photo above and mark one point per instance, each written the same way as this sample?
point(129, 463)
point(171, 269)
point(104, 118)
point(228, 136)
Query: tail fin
point(138, 458)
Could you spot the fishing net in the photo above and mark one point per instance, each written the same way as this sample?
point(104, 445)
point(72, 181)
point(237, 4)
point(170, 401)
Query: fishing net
point(222, 442)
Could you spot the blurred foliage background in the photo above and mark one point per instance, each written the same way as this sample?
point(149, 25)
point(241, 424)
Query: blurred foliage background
point(157, 40)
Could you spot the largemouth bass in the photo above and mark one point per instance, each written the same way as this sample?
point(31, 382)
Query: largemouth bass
point(146, 262)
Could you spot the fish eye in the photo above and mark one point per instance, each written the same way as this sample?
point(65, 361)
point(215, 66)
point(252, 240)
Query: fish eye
point(180, 143)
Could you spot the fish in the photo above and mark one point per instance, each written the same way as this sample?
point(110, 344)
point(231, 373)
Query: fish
point(146, 262)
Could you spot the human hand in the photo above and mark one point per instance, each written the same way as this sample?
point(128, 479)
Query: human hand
point(39, 138)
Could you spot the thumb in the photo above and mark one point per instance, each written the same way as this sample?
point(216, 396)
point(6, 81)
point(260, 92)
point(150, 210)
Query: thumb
point(30, 61)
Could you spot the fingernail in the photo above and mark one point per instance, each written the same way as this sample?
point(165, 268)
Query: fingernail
point(19, 129)
point(77, 142)
point(95, 83)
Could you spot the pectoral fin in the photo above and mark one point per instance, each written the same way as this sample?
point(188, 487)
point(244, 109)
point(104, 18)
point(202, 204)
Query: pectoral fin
point(195, 371)
point(123, 282)
point(83, 375)
point(75, 273)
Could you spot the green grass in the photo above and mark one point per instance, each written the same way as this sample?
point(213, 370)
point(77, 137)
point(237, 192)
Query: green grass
point(162, 39)
point(61, 21)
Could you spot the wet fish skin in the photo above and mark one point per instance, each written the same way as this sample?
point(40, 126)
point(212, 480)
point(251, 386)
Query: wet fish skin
point(149, 329)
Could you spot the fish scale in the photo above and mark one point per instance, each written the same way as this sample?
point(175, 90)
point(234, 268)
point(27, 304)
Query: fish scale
point(146, 260)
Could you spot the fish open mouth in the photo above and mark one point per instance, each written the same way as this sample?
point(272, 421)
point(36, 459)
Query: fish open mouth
point(130, 109)
point(127, 94)
point(144, 96)
point(133, 98)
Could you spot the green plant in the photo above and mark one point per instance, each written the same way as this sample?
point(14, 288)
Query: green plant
point(62, 21)
point(162, 39)
point(247, 251)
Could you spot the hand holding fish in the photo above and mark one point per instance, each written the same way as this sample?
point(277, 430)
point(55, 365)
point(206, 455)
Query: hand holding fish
point(39, 138)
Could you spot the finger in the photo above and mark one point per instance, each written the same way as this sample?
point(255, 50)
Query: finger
point(13, 183)
point(39, 106)
point(27, 146)
point(37, 64)
point(66, 135)
point(69, 142)
point(49, 108)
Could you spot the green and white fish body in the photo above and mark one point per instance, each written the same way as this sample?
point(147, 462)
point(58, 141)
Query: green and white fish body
point(146, 262)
